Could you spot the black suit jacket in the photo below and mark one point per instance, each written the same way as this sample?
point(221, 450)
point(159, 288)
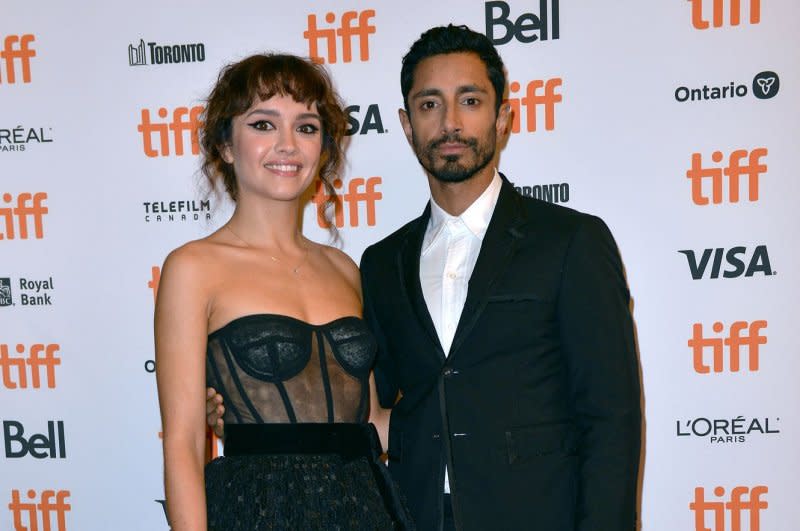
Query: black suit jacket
point(536, 409)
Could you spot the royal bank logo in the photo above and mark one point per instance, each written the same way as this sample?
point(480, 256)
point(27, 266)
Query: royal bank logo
point(152, 53)
point(5, 292)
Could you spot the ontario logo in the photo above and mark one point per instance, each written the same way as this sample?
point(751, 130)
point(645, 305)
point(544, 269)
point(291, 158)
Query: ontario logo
point(765, 85)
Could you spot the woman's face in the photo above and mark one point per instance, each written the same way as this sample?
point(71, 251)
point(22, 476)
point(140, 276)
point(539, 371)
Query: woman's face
point(275, 148)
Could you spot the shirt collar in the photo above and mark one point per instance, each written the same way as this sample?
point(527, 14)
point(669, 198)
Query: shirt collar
point(476, 217)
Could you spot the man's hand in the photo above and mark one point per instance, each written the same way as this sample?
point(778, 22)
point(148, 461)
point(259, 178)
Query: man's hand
point(214, 412)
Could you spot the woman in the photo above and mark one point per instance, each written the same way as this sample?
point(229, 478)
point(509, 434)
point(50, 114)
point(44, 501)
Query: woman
point(271, 320)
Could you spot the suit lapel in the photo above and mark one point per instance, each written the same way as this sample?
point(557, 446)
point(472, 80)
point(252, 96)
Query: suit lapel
point(408, 263)
point(497, 250)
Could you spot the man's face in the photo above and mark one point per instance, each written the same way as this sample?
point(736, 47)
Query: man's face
point(451, 123)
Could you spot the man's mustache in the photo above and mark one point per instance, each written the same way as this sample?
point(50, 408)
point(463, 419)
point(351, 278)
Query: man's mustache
point(453, 139)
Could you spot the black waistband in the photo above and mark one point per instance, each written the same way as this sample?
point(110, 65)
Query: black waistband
point(348, 440)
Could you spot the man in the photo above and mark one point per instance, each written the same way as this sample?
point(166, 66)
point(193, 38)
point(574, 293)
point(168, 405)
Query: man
point(505, 342)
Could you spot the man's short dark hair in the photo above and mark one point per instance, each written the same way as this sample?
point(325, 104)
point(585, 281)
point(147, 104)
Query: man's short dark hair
point(453, 39)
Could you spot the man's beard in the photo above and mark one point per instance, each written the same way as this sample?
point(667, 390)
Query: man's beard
point(452, 170)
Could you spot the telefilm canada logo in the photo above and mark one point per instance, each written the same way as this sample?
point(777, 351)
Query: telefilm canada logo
point(177, 211)
point(765, 85)
point(20, 138)
point(153, 53)
point(739, 429)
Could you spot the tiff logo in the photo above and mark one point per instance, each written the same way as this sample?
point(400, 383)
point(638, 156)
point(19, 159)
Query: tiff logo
point(22, 212)
point(155, 273)
point(346, 31)
point(540, 94)
point(735, 339)
point(184, 120)
point(753, 169)
point(355, 195)
point(16, 47)
point(38, 357)
point(28, 515)
point(717, 15)
point(742, 499)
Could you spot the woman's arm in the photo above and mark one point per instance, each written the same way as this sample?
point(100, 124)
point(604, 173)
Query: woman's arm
point(181, 321)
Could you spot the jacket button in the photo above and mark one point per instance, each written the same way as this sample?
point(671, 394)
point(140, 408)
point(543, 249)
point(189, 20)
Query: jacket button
point(449, 371)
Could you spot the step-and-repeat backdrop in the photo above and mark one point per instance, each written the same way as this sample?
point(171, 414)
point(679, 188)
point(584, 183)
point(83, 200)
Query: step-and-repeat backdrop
point(675, 121)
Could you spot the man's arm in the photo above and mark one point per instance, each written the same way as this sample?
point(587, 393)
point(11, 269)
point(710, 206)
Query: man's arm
point(598, 340)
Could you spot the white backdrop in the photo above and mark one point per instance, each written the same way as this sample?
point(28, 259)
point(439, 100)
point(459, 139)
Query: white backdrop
point(80, 232)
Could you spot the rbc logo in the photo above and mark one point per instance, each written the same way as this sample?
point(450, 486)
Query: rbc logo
point(758, 262)
point(346, 31)
point(526, 28)
point(183, 120)
point(17, 47)
point(753, 169)
point(372, 120)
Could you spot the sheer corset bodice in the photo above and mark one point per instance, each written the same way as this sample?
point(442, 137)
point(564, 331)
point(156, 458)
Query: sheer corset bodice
point(278, 369)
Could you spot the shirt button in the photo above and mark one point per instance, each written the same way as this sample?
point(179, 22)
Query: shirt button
point(451, 275)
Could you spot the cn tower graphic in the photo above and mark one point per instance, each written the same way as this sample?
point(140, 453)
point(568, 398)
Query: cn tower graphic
point(136, 56)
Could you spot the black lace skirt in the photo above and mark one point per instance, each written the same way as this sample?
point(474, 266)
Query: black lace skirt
point(302, 476)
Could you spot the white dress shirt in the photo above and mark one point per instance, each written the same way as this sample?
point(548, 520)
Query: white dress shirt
point(449, 251)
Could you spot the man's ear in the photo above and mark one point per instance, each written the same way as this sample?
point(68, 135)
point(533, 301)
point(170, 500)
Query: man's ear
point(405, 121)
point(502, 122)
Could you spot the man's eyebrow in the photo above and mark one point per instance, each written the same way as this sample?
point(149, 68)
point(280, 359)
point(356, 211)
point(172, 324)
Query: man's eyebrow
point(463, 89)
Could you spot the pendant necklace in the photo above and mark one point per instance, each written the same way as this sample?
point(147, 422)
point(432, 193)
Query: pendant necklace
point(295, 270)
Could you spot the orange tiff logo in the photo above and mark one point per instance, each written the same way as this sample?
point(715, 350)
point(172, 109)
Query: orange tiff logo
point(17, 48)
point(155, 273)
point(753, 169)
point(539, 94)
point(29, 514)
point(31, 361)
point(717, 15)
point(184, 120)
point(359, 190)
point(347, 31)
point(15, 218)
point(742, 499)
point(751, 338)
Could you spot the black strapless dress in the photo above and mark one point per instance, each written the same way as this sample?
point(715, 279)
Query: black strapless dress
point(298, 451)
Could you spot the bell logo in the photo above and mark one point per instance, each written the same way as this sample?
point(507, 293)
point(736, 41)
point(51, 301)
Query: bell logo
point(753, 169)
point(538, 93)
point(717, 16)
point(38, 445)
point(16, 47)
point(355, 194)
point(184, 120)
point(758, 262)
point(363, 29)
point(28, 515)
point(526, 28)
point(741, 333)
point(37, 358)
point(22, 212)
point(742, 499)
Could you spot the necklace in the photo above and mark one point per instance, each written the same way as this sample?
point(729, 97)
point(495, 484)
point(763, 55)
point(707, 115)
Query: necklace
point(295, 270)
